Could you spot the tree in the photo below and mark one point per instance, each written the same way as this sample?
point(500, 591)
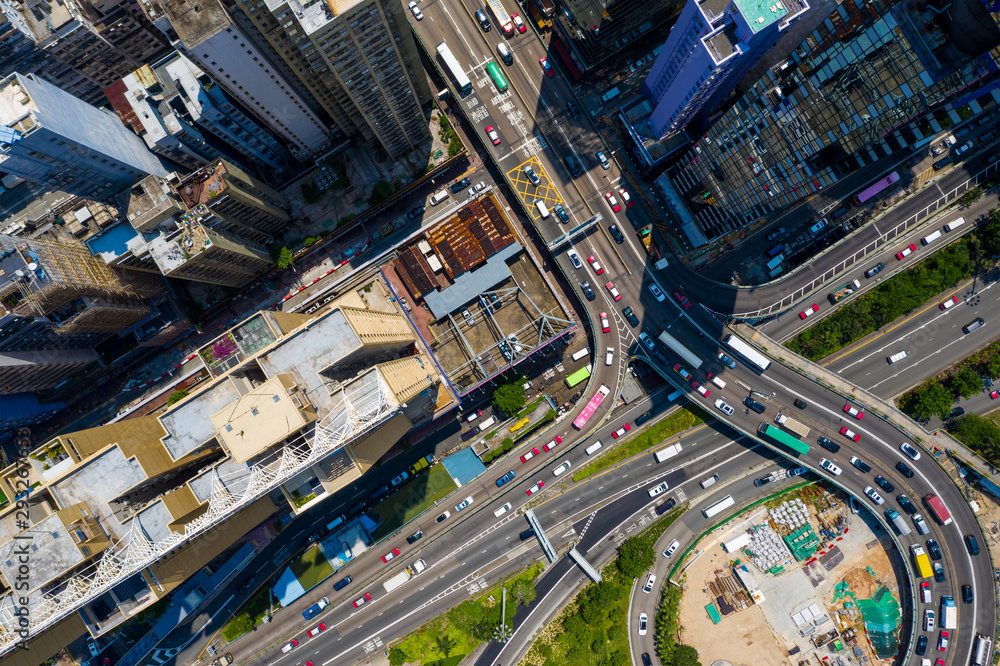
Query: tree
point(979, 434)
point(523, 592)
point(971, 196)
point(634, 557)
point(993, 365)
point(176, 396)
point(509, 398)
point(965, 383)
point(396, 657)
point(930, 399)
point(285, 259)
point(684, 655)
point(381, 192)
point(989, 233)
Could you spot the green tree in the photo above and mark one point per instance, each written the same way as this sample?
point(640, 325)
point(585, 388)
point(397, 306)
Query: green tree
point(396, 657)
point(989, 233)
point(381, 192)
point(971, 196)
point(445, 644)
point(176, 396)
point(965, 383)
point(993, 365)
point(523, 592)
point(635, 556)
point(684, 655)
point(930, 399)
point(979, 434)
point(509, 398)
point(284, 258)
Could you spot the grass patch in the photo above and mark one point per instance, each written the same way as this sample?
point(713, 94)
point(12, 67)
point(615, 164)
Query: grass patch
point(452, 636)
point(686, 417)
point(420, 494)
point(251, 615)
point(311, 569)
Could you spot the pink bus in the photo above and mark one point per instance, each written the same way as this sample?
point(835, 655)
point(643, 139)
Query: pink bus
point(591, 407)
point(866, 194)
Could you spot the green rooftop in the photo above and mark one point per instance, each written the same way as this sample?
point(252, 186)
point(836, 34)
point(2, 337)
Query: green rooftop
point(759, 14)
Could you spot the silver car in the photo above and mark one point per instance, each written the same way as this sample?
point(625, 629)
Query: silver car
point(724, 407)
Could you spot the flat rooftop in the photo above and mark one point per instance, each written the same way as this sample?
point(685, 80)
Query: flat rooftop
point(190, 421)
point(759, 14)
point(51, 549)
point(97, 481)
point(194, 22)
point(148, 200)
point(259, 419)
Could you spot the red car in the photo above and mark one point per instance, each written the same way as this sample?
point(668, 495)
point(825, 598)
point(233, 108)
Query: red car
point(535, 488)
point(529, 455)
point(950, 302)
point(683, 300)
point(551, 445)
point(519, 23)
point(492, 134)
point(994, 395)
point(544, 62)
point(626, 197)
point(391, 554)
point(850, 434)
point(361, 600)
point(615, 206)
point(595, 264)
point(811, 310)
point(317, 630)
point(613, 290)
point(605, 324)
point(621, 431)
point(905, 251)
point(854, 411)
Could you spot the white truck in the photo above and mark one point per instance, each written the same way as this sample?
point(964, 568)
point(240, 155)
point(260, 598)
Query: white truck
point(403, 576)
point(668, 452)
point(788, 423)
point(949, 614)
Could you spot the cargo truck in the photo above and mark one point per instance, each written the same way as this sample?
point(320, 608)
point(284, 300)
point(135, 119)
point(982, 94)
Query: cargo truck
point(403, 576)
point(936, 508)
point(893, 516)
point(668, 452)
point(921, 561)
point(844, 291)
point(315, 608)
point(949, 614)
point(788, 423)
point(610, 95)
point(421, 464)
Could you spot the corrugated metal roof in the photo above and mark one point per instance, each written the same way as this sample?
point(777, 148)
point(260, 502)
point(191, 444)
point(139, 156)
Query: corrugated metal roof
point(472, 283)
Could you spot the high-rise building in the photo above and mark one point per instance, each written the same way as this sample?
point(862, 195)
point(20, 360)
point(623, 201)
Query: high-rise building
point(873, 79)
point(245, 68)
point(711, 46)
point(48, 136)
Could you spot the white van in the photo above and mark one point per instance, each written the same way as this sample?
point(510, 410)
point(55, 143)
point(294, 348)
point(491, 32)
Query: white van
point(710, 481)
point(927, 240)
point(505, 54)
point(580, 354)
point(954, 224)
point(718, 382)
point(438, 197)
point(486, 423)
point(542, 208)
point(594, 448)
point(660, 264)
point(502, 510)
point(898, 356)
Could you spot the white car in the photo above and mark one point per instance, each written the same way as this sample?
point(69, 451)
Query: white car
point(562, 468)
point(657, 294)
point(673, 546)
point(909, 451)
point(417, 14)
point(502, 510)
point(535, 488)
point(723, 407)
point(928, 620)
point(962, 149)
point(464, 503)
point(643, 622)
point(477, 188)
point(830, 467)
point(574, 258)
point(874, 496)
point(650, 580)
point(609, 356)
point(648, 341)
point(656, 490)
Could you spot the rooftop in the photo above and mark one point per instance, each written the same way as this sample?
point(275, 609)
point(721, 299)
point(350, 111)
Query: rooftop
point(194, 22)
point(203, 185)
point(721, 44)
point(189, 422)
point(148, 202)
point(51, 549)
point(759, 14)
point(171, 250)
point(98, 480)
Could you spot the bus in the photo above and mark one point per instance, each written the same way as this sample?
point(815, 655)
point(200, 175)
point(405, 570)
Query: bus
point(577, 377)
point(673, 396)
point(782, 437)
point(719, 506)
point(751, 358)
point(501, 17)
point(462, 82)
point(671, 343)
point(498, 80)
point(866, 194)
point(981, 650)
point(591, 407)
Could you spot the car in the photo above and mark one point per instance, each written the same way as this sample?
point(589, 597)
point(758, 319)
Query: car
point(647, 341)
point(971, 544)
point(994, 395)
point(493, 135)
point(934, 549)
point(630, 316)
point(724, 407)
point(417, 14)
point(910, 451)
point(561, 468)
point(617, 234)
point(519, 23)
point(800, 403)
point(642, 624)
point(904, 470)
point(415, 537)
point(854, 411)
point(874, 270)
point(650, 580)
point(816, 227)
point(679, 369)
point(884, 484)
point(609, 356)
point(466, 502)
point(776, 233)
point(962, 149)
point(682, 300)
point(943, 638)
point(362, 599)
point(553, 444)
point(626, 197)
point(467, 316)
point(527, 534)
point(529, 455)
point(621, 431)
point(561, 213)
point(948, 303)
point(574, 259)
point(671, 548)
point(642, 418)
point(613, 202)
point(730, 363)
point(809, 311)
point(938, 572)
point(704, 391)
point(758, 407)
point(317, 630)
point(505, 478)
point(415, 212)
point(921, 645)
point(657, 294)
point(572, 110)
point(850, 434)
point(546, 67)
point(502, 510)
point(764, 480)
point(400, 479)
point(798, 471)
point(656, 490)
point(967, 594)
point(830, 467)
point(245, 585)
point(605, 163)
point(605, 324)
point(874, 496)
point(391, 554)
point(535, 488)
point(637, 64)
point(595, 264)
point(646, 661)
point(345, 581)
point(828, 444)
point(925, 592)
point(505, 350)
point(460, 185)
point(928, 620)
point(443, 517)
point(588, 291)
point(905, 504)
point(286, 648)
point(906, 251)
point(94, 648)
point(613, 290)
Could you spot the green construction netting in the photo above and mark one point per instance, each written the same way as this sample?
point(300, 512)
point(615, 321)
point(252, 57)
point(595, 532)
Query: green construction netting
point(713, 613)
point(881, 616)
point(803, 542)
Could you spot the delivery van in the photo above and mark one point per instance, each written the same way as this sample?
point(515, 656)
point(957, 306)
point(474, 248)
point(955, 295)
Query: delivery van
point(542, 208)
point(438, 197)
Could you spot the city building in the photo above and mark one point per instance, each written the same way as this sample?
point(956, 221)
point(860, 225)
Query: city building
point(872, 80)
point(294, 406)
point(23, 410)
point(49, 137)
point(711, 46)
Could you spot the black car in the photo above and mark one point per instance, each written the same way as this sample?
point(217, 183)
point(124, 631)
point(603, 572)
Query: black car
point(938, 572)
point(935, 551)
point(415, 537)
point(830, 446)
point(642, 418)
point(972, 544)
point(527, 534)
point(906, 504)
point(630, 316)
point(666, 506)
point(904, 470)
point(461, 185)
point(646, 661)
point(861, 464)
point(800, 403)
point(572, 110)
point(883, 484)
point(587, 291)
point(342, 583)
point(617, 234)
point(967, 594)
point(874, 270)
point(443, 517)
point(776, 233)
point(754, 405)
point(246, 585)
point(413, 213)
point(955, 413)
point(921, 645)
